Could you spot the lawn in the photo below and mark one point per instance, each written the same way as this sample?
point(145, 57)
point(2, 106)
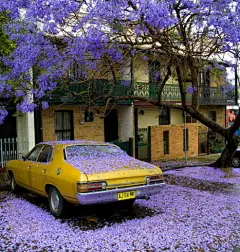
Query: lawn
point(178, 219)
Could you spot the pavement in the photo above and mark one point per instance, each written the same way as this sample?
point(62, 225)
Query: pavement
point(202, 160)
point(210, 157)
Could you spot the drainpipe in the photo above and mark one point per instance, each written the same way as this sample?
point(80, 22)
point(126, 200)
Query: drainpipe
point(236, 85)
point(185, 138)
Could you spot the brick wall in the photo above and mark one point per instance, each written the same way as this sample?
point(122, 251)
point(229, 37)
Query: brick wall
point(220, 112)
point(175, 141)
point(82, 130)
point(203, 130)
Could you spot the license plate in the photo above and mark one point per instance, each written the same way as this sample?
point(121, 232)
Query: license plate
point(126, 195)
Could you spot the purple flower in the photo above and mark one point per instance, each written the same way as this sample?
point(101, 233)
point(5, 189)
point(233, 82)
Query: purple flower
point(107, 34)
point(191, 89)
point(45, 105)
point(3, 114)
point(126, 83)
point(26, 106)
point(19, 93)
point(108, 158)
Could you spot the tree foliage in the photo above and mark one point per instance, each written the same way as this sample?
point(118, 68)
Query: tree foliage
point(102, 36)
point(6, 45)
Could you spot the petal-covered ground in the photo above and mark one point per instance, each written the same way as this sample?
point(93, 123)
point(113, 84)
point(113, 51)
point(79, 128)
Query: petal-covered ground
point(182, 219)
point(231, 175)
point(174, 164)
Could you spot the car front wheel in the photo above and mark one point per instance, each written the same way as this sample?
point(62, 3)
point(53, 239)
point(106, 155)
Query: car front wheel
point(14, 186)
point(57, 203)
point(236, 162)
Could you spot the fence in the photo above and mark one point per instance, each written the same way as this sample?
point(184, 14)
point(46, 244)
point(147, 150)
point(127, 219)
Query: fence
point(126, 146)
point(11, 148)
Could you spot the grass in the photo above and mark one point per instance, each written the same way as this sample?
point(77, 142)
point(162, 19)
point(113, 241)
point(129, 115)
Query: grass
point(206, 158)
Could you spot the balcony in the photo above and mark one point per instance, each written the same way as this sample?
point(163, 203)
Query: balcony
point(216, 96)
point(171, 93)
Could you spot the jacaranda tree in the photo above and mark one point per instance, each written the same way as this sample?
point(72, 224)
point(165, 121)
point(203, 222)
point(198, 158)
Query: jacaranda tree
point(103, 35)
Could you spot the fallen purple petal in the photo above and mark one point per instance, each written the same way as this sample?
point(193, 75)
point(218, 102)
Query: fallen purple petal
point(185, 219)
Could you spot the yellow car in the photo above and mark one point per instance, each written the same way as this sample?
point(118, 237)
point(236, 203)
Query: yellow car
point(83, 172)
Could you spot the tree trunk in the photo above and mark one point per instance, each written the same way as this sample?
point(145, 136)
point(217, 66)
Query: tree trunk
point(224, 161)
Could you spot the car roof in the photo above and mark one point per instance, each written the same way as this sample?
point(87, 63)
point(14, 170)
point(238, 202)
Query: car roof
point(75, 142)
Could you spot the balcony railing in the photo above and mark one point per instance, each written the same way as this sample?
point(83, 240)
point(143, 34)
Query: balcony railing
point(216, 96)
point(171, 93)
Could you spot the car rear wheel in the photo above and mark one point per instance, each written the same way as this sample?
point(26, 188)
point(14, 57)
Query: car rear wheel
point(57, 203)
point(14, 186)
point(236, 162)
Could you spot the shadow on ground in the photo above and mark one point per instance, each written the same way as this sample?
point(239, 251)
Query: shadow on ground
point(94, 217)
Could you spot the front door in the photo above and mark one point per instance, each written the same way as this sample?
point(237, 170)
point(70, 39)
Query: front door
point(141, 140)
point(8, 129)
point(111, 125)
point(8, 134)
point(142, 144)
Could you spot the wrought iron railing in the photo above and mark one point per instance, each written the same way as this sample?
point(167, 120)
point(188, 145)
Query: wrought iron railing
point(80, 93)
point(215, 95)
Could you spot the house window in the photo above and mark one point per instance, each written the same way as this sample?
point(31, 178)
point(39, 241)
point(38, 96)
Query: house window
point(205, 78)
point(154, 71)
point(88, 116)
point(77, 71)
point(164, 117)
point(63, 121)
point(165, 142)
point(185, 143)
point(212, 115)
point(189, 119)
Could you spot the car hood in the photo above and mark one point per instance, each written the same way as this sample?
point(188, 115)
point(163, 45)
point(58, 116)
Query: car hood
point(109, 163)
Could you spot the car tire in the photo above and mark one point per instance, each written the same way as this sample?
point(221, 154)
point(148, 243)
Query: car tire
point(14, 186)
point(236, 162)
point(57, 204)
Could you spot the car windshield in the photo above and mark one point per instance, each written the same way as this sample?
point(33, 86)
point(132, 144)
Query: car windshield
point(92, 151)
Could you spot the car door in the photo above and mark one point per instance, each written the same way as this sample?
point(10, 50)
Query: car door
point(40, 168)
point(27, 164)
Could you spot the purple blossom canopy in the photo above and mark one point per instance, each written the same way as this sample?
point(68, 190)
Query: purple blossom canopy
point(92, 30)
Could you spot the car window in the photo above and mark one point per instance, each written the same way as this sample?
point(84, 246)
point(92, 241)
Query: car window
point(45, 155)
point(91, 151)
point(33, 155)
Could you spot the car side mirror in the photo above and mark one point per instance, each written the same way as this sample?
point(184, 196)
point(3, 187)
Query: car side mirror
point(24, 158)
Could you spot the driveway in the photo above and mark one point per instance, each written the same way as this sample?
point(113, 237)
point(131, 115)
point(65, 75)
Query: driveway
point(178, 219)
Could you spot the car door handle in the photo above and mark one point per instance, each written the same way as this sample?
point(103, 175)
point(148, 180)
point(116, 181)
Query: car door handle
point(44, 170)
point(29, 167)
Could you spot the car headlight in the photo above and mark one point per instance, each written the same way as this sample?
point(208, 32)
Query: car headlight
point(155, 179)
point(91, 186)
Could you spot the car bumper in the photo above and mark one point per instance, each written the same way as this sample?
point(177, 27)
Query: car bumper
point(111, 195)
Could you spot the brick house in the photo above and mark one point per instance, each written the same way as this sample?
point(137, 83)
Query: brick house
point(156, 133)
